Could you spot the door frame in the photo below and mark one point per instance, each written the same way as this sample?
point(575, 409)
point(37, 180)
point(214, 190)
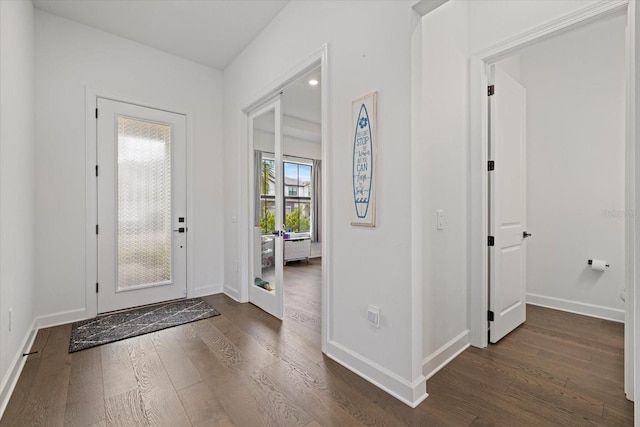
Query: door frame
point(91, 191)
point(245, 158)
point(478, 178)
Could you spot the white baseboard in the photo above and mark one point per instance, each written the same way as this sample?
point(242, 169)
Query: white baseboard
point(231, 293)
point(60, 318)
point(592, 310)
point(445, 354)
point(203, 291)
point(15, 368)
point(410, 393)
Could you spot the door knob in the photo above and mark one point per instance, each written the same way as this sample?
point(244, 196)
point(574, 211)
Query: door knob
point(525, 234)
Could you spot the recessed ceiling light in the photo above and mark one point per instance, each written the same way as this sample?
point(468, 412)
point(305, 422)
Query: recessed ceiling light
point(313, 82)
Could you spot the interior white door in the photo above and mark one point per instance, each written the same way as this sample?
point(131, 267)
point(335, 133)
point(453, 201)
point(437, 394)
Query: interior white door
point(507, 206)
point(266, 260)
point(142, 223)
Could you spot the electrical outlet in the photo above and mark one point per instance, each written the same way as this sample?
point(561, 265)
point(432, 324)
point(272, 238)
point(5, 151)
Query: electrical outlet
point(10, 319)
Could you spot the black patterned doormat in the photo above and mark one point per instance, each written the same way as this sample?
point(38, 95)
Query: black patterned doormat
point(131, 323)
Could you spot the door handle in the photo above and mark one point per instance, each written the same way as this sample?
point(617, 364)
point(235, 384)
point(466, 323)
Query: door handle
point(525, 234)
point(181, 230)
point(278, 233)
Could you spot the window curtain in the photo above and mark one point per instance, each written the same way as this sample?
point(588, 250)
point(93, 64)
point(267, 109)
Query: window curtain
point(316, 195)
point(257, 175)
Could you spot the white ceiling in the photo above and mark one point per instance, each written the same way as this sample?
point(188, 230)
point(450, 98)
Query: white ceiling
point(301, 100)
point(210, 32)
point(301, 108)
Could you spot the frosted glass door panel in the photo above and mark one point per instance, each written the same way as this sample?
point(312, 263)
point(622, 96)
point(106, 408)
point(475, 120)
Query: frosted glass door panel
point(144, 203)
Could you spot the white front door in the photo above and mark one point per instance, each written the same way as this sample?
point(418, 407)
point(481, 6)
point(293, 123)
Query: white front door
point(507, 206)
point(142, 223)
point(266, 246)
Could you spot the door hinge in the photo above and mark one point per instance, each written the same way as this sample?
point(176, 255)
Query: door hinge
point(97, 287)
point(491, 90)
point(490, 316)
point(491, 165)
point(96, 113)
point(97, 228)
point(491, 241)
point(96, 170)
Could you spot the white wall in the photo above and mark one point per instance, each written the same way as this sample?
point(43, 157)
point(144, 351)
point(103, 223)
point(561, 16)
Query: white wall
point(442, 154)
point(69, 58)
point(493, 21)
point(16, 186)
point(368, 265)
point(512, 66)
point(576, 168)
point(290, 146)
point(300, 148)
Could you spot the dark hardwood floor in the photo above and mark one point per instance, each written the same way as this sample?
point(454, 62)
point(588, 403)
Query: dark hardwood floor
point(246, 368)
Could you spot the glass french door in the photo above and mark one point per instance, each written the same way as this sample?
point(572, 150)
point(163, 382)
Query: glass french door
point(142, 224)
point(266, 244)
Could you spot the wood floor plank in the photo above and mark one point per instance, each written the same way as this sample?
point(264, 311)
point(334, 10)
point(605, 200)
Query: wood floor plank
point(279, 402)
point(40, 341)
point(47, 398)
point(117, 370)
point(611, 396)
point(161, 402)
point(339, 387)
point(446, 411)
point(202, 407)
point(21, 392)
point(306, 390)
point(616, 417)
point(126, 409)
point(180, 369)
point(495, 406)
point(272, 334)
point(231, 387)
point(247, 357)
point(250, 349)
point(85, 398)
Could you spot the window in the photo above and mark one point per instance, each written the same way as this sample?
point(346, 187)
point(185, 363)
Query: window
point(297, 200)
point(297, 197)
